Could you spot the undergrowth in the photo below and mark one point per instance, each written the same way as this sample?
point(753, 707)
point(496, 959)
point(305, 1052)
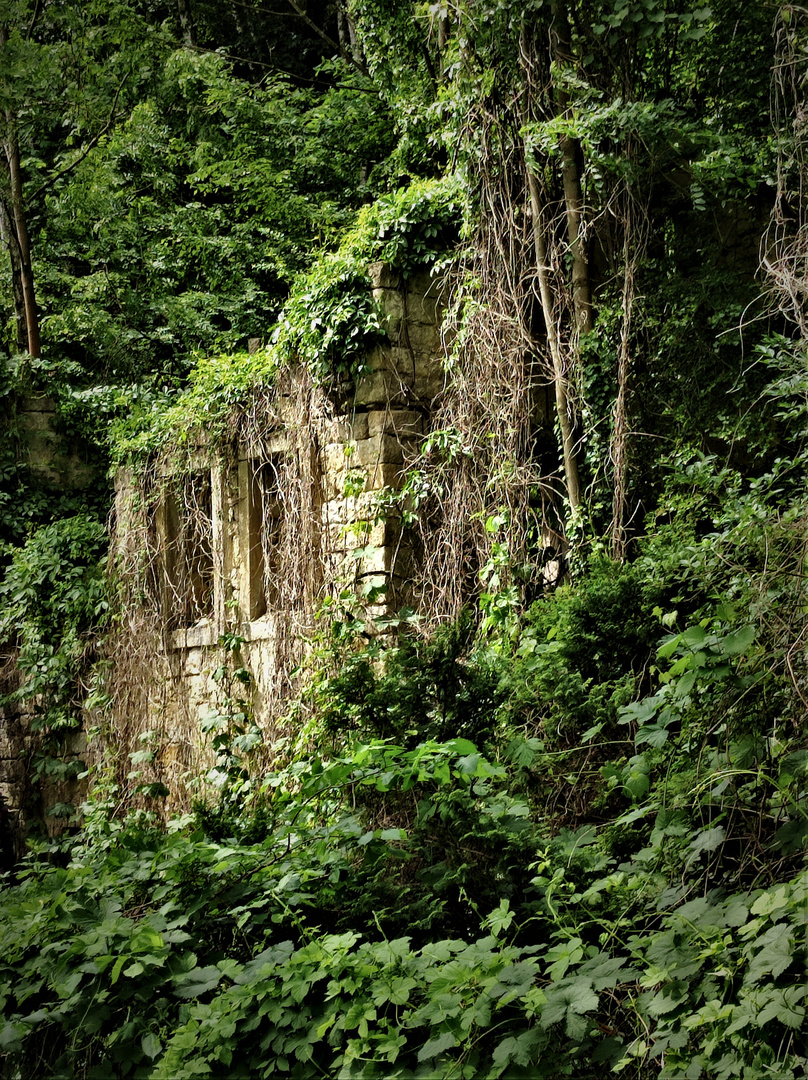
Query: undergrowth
point(572, 847)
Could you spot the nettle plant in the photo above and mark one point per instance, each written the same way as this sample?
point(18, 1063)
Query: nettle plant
point(279, 943)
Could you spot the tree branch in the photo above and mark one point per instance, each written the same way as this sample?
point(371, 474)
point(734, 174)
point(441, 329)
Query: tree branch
point(113, 117)
point(327, 37)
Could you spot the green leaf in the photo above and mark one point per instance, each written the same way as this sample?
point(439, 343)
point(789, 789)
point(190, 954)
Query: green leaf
point(521, 1049)
point(433, 1047)
point(561, 956)
point(500, 918)
point(738, 641)
point(581, 997)
point(775, 951)
point(197, 982)
point(771, 900)
point(151, 1045)
point(11, 1035)
point(706, 840)
point(784, 1005)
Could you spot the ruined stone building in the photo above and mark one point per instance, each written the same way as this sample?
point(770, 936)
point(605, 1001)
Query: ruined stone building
point(225, 549)
point(246, 543)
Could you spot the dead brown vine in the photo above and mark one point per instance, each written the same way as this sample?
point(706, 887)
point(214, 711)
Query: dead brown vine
point(784, 255)
point(175, 576)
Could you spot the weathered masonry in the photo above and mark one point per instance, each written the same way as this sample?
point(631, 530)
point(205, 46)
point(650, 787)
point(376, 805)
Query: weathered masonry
point(60, 464)
point(236, 549)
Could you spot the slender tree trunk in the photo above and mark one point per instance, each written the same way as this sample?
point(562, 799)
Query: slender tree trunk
point(9, 240)
point(356, 48)
point(563, 409)
point(443, 39)
point(634, 214)
point(187, 24)
point(620, 430)
point(21, 234)
point(343, 33)
point(571, 183)
point(16, 229)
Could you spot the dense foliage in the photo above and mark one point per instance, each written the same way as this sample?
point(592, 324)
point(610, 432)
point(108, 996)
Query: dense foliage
point(557, 824)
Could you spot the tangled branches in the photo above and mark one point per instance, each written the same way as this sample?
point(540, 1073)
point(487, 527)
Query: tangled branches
point(785, 246)
point(208, 540)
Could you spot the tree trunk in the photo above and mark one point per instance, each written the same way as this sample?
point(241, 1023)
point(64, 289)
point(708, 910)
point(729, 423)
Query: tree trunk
point(568, 441)
point(620, 431)
point(19, 246)
point(571, 183)
point(9, 239)
point(187, 24)
point(16, 230)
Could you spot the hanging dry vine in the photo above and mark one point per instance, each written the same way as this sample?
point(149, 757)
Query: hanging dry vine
point(180, 587)
point(503, 458)
point(785, 245)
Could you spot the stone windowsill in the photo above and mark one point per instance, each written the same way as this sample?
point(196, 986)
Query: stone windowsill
point(199, 636)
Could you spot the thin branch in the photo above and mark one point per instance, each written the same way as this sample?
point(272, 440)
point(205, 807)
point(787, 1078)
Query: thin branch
point(327, 37)
point(113, 118)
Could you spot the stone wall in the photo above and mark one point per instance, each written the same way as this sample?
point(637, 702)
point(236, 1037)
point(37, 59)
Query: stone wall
point(55, 460)
point(60, 464)
point(356, 444)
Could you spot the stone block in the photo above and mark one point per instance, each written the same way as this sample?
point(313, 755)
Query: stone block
point(379, 387)
point(395, 376)
point(375, 561)
point(12, 795)
point(380, 449)
point(263, 629)
point(11, 739)
point(12, 772)
point(423, 309)
point(383, 276)
point(402, 424)
point(424, 283)
point(383, 475)
point(376, 475)
point(31, 422)
point(431, 382)
point(392, 303)
point(423, 340)
point(37, 404)
point(341, 510)
point(347, 428)
point(199, 636)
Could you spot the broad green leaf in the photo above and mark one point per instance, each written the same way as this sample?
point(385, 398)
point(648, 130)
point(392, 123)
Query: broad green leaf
point(197, 982)
point(151, 1045)
point(706, 840)
point(738, 641)
point(774, 953)
point(581, 998)
point(433, 1047)
point(786, 1006)
point(11, 1035)
point(771, 900)
point(561, 956)
point(500, 918)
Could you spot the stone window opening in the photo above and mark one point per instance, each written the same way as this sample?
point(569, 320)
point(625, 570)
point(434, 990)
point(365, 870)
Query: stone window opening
point(189, 539)
point(261, 529)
